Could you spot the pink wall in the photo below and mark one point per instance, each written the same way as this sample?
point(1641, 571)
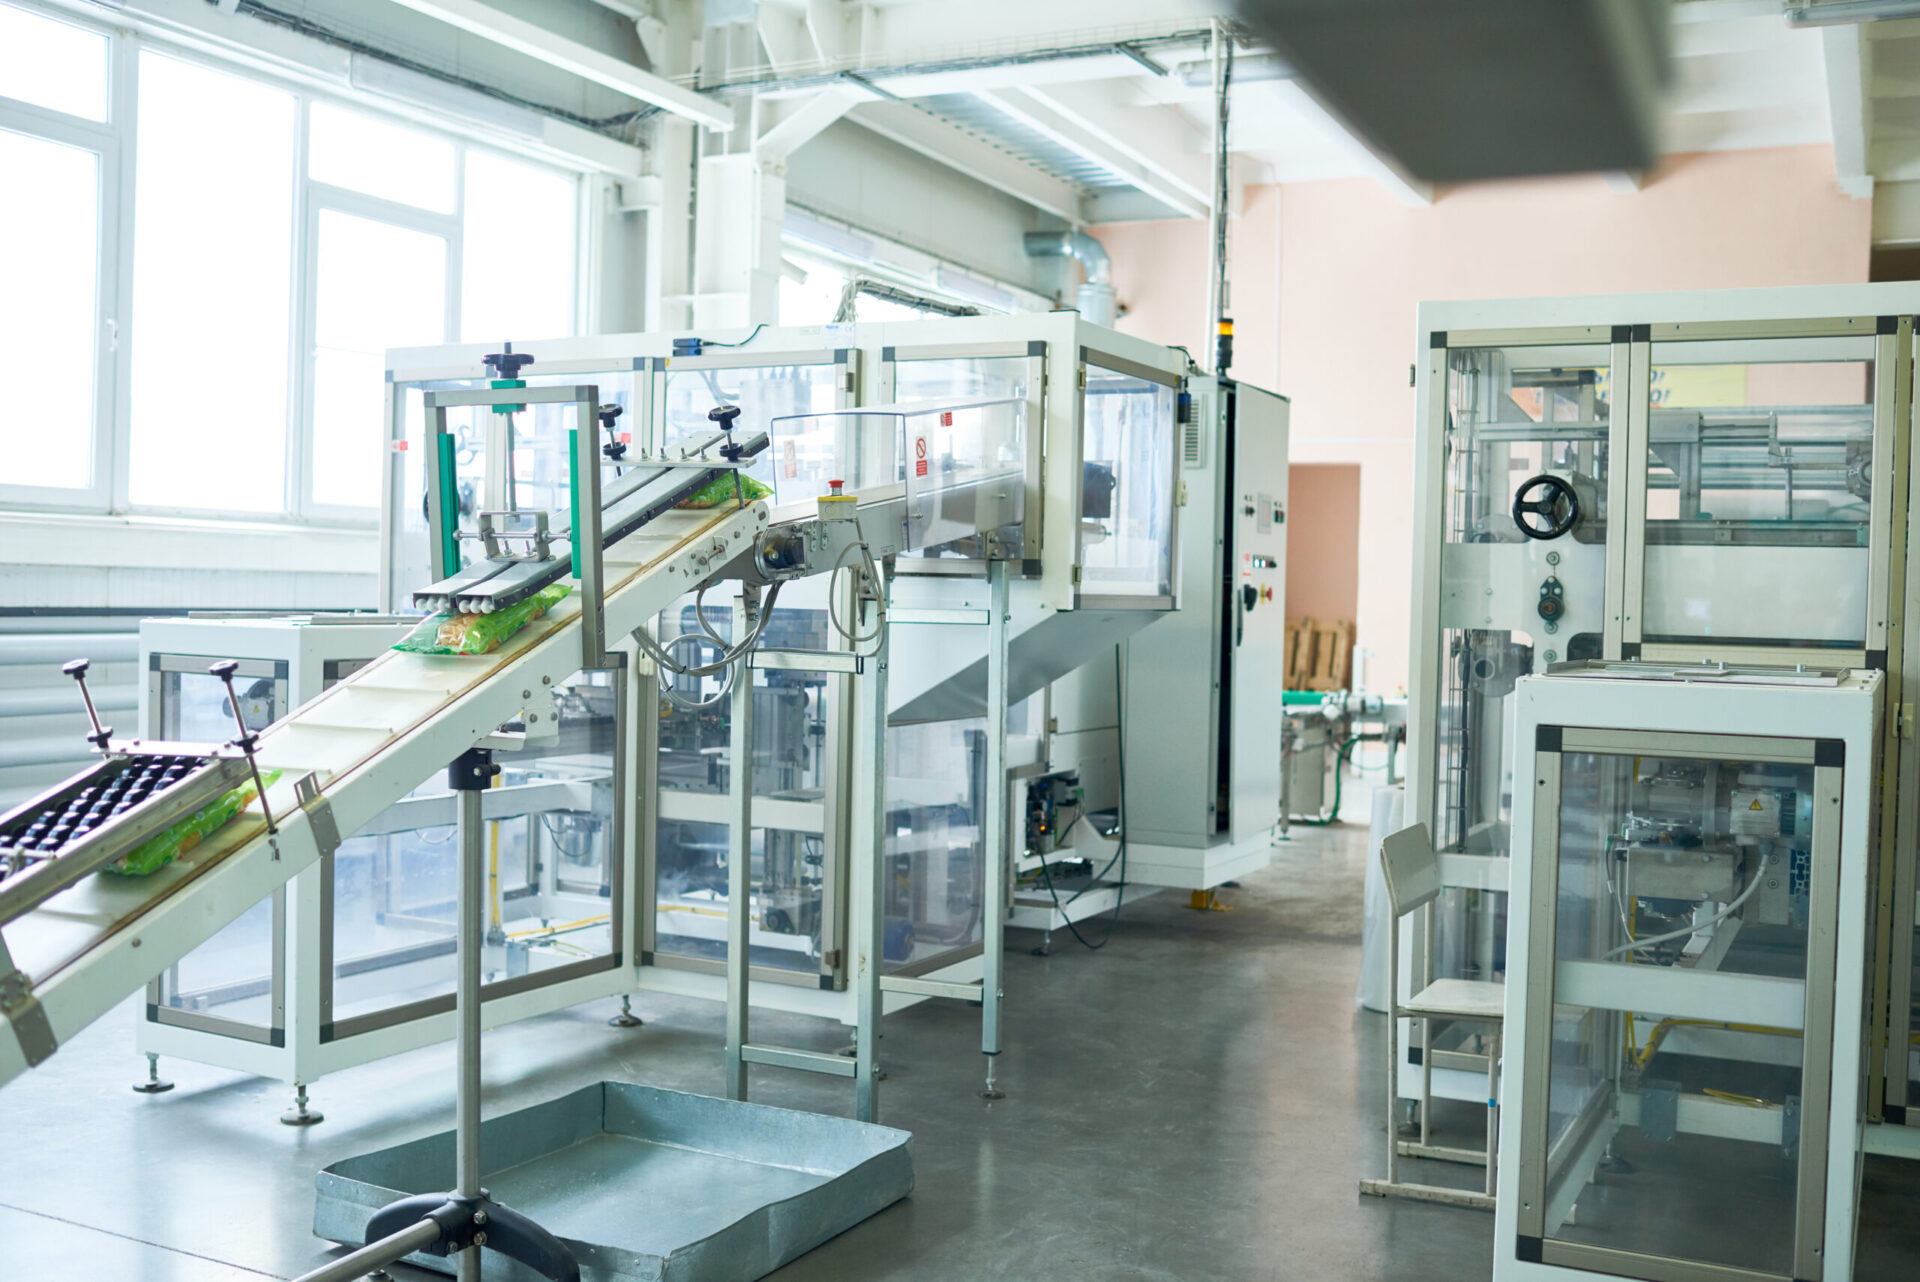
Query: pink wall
point(1323, 541)
point(1327, 275)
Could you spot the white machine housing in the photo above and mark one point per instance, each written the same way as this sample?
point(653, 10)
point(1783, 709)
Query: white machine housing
point(1567, 988)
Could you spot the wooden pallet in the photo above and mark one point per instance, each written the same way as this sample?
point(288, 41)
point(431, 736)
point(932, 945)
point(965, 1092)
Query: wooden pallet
point(1319, 654)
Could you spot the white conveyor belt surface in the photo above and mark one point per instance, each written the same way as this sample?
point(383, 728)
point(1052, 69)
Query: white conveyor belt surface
point(366, 742)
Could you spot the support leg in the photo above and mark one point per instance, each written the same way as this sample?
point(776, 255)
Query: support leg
point(739, 862)
point(153, 1085)
point(870, 863)
point(469, 943)
point(300, 1114)
point(626, 1018)
point(1492, 1042)
point(994, 823)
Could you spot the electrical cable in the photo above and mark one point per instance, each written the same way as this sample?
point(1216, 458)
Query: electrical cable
point(727, 658)
point(852, 637)
point(1120, 855)
point(1633, 944)
point(708, 342)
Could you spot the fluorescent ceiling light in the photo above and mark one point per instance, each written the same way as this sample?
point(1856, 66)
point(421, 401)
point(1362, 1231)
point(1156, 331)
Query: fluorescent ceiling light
point(824, 235)
point(384, 78)
point(961, 285)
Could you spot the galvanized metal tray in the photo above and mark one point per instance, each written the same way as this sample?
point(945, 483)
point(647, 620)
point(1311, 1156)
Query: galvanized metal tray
point(647, 1185)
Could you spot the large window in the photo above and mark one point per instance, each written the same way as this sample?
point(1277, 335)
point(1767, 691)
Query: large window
point(228, 361)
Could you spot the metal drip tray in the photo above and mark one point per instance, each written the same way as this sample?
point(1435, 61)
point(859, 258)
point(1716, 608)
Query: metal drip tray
point(647, 1185)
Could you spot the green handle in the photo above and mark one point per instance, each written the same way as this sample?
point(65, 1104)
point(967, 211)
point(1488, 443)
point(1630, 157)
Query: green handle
point(449, 505)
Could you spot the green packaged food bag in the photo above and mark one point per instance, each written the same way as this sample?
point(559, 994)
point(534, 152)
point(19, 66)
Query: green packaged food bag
point(479, 633)
point(157, 852)
point(719, 492)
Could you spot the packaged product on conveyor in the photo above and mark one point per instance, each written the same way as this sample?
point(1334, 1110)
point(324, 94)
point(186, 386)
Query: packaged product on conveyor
point(479, 633)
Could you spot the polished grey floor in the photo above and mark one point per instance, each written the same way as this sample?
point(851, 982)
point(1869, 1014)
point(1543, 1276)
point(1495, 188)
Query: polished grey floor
point(1194, 1101)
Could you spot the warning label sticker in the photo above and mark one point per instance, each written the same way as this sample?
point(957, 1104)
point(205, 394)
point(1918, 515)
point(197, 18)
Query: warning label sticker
point(1755, 812)
point(919, 456)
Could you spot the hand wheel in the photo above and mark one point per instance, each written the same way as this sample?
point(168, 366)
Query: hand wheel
point(1553, 502)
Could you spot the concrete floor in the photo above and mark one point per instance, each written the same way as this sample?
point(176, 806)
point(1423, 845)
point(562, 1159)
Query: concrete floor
point(1194, 1101)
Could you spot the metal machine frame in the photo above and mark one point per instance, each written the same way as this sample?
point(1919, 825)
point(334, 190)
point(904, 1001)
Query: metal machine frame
point(307, 656)
point(1828, 725)
point(1630, 328)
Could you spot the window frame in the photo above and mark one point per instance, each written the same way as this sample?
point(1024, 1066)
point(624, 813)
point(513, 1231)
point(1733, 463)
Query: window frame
point(107, 141)
point(115, 142)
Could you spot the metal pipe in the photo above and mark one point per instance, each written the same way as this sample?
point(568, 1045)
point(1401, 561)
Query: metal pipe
point(1095, 299)
point(376, 1255)
point(58, 647)
point(740, 856)
point(472, 908)
point(1218, 301)
point(1839, 13)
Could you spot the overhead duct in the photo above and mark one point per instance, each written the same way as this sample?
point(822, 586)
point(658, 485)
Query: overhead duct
point(1095, 299)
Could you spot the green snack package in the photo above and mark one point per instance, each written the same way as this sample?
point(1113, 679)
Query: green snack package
point(479, 633)
point(155, 853)
point(719, 492)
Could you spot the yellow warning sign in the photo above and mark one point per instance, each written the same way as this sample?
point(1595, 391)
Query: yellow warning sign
point(1756, 805)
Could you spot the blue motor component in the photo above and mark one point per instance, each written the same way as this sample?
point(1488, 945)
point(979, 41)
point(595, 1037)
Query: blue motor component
point(898, 944)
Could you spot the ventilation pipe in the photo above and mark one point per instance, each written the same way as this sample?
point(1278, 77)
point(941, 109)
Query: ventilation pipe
point(1095, 299)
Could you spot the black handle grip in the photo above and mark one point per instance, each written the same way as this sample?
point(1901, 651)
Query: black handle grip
point(77, 668)
point(224, 669)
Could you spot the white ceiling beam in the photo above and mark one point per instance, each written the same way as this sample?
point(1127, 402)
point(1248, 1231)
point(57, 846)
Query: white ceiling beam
point(1847, 56)
point(1043, 119)
point(1155, 137)
point(913, 128)
point(799, 124)
point(571, 56)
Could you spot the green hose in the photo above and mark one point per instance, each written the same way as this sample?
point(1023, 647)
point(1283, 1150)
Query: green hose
point(1340, 759)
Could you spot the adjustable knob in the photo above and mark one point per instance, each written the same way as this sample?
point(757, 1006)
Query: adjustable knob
point(725, 415)
point(506, 364)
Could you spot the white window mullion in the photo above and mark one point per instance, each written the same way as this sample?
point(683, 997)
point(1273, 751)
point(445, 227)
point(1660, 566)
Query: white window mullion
point(300, 332)
point(117, 434)
point(457, 245)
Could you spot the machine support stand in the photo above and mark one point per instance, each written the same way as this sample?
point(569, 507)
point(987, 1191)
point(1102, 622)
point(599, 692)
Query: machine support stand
point(299, 1114)
point(626, 1018)
point(994, 822)
point(460, 1223)
point(739, 859)
point(153, 1085)
point(1046, 943)
point(870, 845)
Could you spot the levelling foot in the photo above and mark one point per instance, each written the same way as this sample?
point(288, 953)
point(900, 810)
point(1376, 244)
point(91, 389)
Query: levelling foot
point(300, 1114)
point(153, 1085)
point(626, 1018)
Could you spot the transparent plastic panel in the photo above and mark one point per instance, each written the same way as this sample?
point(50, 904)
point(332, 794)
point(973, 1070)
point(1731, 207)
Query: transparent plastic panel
point(789, 873)
point(763, 394)
point(1684, 865)
point(1127, 486)
point(231, 975)
point(863, 449)
point(194, 706)
point(936, 875)
point(1514, 415)
point(1675, 862)
point(1759, 488)
point(540, 464)
point(48, 323)
point(1473, 768)
point(550, 846)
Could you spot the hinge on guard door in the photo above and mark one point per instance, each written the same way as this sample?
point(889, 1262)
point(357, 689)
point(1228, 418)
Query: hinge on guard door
point(1903, 721)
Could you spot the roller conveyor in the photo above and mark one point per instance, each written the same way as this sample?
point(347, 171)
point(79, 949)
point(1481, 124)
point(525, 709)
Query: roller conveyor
point(353, 751)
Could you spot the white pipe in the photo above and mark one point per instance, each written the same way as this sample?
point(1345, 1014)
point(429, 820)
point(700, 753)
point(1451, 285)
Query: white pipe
point(63, 698)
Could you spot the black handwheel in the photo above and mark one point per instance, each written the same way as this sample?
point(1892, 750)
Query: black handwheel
point(1549, 499)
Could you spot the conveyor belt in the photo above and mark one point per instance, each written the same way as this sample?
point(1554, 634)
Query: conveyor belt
point(365, 743)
